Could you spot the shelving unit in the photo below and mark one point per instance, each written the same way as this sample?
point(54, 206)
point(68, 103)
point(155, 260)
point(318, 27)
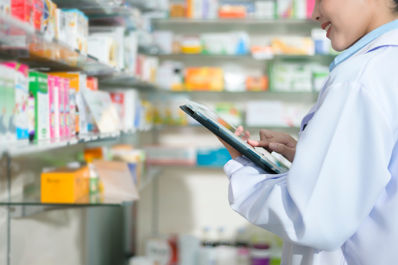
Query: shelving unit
point(20, 41)
point(21, 163)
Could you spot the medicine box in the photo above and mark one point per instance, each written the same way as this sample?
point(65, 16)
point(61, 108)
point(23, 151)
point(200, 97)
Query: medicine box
point(7, 105)
point(53, 93)
point(212, 157)
point(77, 83)
point(64, 185)
point(38, 86)
point(21, 84)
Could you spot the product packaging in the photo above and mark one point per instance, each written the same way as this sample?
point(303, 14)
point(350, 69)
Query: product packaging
point(38, 8)
point(293, 45)
point(287, 77)
point(76, 29)
point(212, 157)
point(78, 115)
point(38, 86)
point(232, 11)
point(7, 105)
point(257, 83)
point(21, 81)
point(191, 45)
point(102, 110)
point(204, 78)
point(23, 10)
point(53, 93)
point(49, 25)
point(59, 83)
point(170, 155)
point(5, 7)
point(126, 104)
point(64, 185)
point(177, 10)
point(68, 120)
point(285, 8)
point(265, 9)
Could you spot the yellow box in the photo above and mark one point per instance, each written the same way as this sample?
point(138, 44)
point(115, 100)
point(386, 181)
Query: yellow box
point(64, 185)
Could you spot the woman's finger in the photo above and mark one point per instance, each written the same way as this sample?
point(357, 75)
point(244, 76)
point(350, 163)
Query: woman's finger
point(283, 150)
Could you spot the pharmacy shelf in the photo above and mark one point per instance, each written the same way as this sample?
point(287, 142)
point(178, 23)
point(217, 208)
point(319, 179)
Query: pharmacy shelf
point(246, 21)
point(19, 40)
point(25, 148)
point(89, 200)
point(230, 96)
point(181, 56)
point(94, 7)
point(126, 80)
point(107, 7)
point(250, 25)
point(32, 203)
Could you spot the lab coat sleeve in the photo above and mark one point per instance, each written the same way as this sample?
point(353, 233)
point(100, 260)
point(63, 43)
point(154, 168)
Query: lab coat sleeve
point(338, 174)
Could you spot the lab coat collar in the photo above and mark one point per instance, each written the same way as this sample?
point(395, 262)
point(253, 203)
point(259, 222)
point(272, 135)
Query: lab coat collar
point(366, 40)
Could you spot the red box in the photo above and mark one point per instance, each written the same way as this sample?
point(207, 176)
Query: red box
point(23, 10)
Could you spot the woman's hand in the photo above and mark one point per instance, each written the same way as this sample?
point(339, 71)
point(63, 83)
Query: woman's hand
point(279, 142)
point(232, 151)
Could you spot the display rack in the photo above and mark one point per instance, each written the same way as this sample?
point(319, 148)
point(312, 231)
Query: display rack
point(182, 56)
point(20, 40)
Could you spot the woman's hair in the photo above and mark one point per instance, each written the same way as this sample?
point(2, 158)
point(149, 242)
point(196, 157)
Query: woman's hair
point(396, 6)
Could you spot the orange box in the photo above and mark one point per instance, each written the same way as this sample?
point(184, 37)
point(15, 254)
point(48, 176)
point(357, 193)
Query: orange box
point(232, 11)
point(257, 83)
point(204, 78)
point(64, 185)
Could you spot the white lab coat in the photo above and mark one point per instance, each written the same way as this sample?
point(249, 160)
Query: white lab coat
point(338, 204)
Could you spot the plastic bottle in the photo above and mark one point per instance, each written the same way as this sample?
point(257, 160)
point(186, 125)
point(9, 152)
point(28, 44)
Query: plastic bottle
point(94, 179)
point(242, 247)
point(207, 253)
point(226, 253)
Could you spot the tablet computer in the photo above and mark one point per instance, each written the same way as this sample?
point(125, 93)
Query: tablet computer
point(225, 131)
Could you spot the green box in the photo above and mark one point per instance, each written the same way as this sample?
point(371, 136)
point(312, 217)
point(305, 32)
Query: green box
point(38, 86)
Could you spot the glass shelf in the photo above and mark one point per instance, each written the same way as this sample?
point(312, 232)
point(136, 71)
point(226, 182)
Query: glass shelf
point(90, 7)
point(96, 200)
point(182, 56)
point(24, 147)
point(107, 7)
point(89, 200)
point(246, 21)
point(20, 40)
point(127, 80)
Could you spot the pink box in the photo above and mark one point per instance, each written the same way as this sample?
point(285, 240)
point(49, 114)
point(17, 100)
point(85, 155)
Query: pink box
point(66, 108)
point(54, 98)
point(60, 83)
point(310, 7)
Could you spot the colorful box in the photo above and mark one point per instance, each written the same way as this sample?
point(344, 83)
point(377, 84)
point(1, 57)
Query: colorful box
point(64, 185)
point(7, 105)
point(204, 78)
point(21, 83)
point(212, 157)
point(53, 92)
point(38, 86)
point(49, 23)
point(67, 125)
point(23, 10)
point(77, 83)
point(5, 7)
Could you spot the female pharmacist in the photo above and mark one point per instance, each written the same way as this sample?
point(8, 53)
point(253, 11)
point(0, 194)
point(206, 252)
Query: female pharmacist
point(338, 204)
